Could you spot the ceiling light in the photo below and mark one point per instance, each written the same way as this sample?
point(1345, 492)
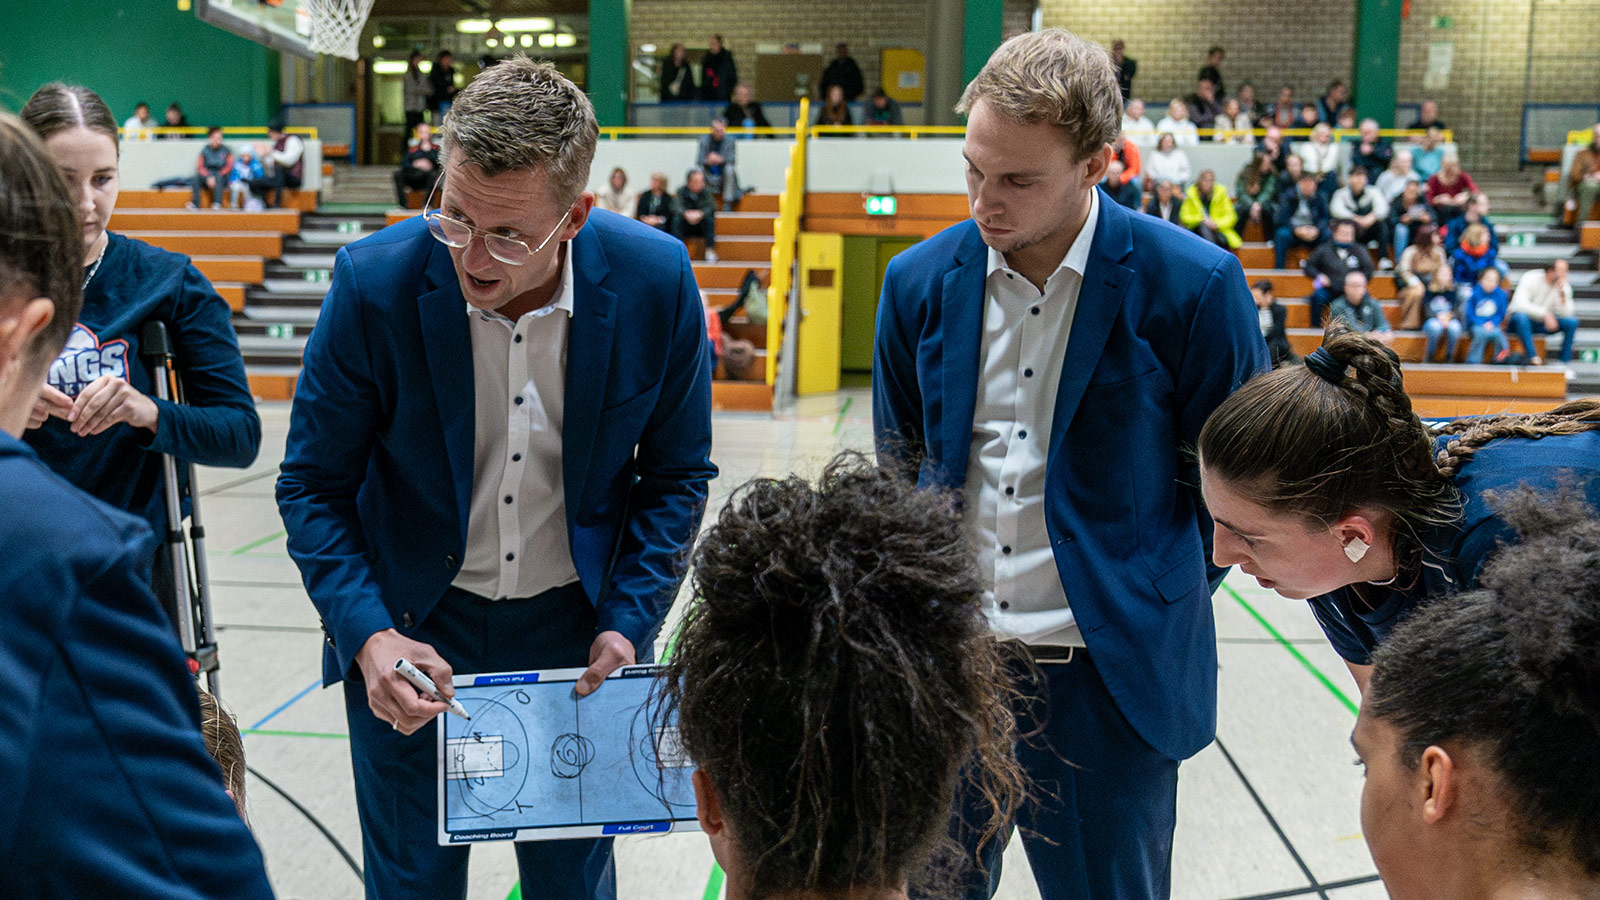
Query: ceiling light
point(389, 67)
point(538, 24)
point(566, 40)
point(547, 40)
point(377, 40)
point(474, 26)
point(647, 48)
point(493, 42)
point(527, 40)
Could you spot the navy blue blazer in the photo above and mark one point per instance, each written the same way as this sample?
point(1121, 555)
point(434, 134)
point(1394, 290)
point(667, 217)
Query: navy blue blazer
point(1164, 330)
point(377, 475)
point(106, 789)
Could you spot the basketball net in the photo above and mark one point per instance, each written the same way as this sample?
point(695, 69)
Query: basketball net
point(336, 25)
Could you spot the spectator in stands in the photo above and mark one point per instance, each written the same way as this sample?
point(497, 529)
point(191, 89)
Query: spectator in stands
point(1475, 212)
point(842, 71)
point(1289, 174)
point(694, 213)
point(1485, 317)
point(1583, 180)
point(1284, 112)
point(743, 111)
point(1127, 67)
point(175, 119)
point(1347, 119)
point(1248, 104)
point(1334, 102)
point(1409, 212)
point(1427, 117)
point(1371, 151)
point(1309, 118)
point(616, 197)
point(882, 110)
point(139, 125)
point(655, 205)
point(1429, 156)
point(442, 81)
point(1167, 161)
point(246, 168)
point(419, 170)
point(1543, 305)
point(677, 77)
point(1165, 202)
point(1176, 123)
point(1301, 217)
point(1232, 126)
point(211, 169)
point(1392, 180)
point(1321, 158)
point(1136, 125)
point(1275, 148)
point(1208, 211)
point(1470, 257)
point(718, 74)
point(414, 93)
point(1449, 189)
point(1124, 192)
point(716, 156)
point(284, 161)
point(1356, 308)
point(1203, 105)
point(1367, 209)
point(1331, 262)
point(1254, 191)
point(1442, 329)
point(1127, 152)
point(1210, 71)
point(1274, 319)
point(834, 111)
point(1423, 273)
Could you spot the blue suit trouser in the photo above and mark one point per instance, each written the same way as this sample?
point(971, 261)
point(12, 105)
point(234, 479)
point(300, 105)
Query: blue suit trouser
point(1099, 820)
point(396, 775)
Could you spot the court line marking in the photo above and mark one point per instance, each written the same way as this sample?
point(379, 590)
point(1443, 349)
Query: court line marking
point(288, 703)
point(238, 482)
point(269, 732)
point(258, 542)
point(1284, 642)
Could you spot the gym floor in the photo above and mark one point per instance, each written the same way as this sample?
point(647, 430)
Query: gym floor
point(1270, 810)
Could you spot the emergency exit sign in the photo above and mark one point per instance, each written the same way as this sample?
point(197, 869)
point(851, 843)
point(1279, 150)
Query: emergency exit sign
point(881, 206)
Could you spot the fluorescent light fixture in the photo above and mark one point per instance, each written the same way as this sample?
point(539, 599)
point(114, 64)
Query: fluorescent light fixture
point(389, 67)
point(474, 26)
point(493, 42)
point(377, 40)
point(547, 40)
point(536, 24)
point(527, 40)
point(647, 48)
point(566, 40)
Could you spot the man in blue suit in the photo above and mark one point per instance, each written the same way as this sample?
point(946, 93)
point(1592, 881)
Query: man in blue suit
point(105, 786)
point(1052, 360)
point(498, 456)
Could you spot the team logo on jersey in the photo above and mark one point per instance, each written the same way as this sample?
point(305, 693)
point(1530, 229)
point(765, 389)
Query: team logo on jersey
point(84, 359)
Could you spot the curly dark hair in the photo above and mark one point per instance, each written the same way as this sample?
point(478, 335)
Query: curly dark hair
point(1513, 669)
point(836, 677)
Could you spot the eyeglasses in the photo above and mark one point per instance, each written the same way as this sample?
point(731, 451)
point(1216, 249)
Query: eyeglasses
point(455, 233)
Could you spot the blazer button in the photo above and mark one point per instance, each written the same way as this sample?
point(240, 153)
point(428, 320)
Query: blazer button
point(450, 561)
point(407, 620)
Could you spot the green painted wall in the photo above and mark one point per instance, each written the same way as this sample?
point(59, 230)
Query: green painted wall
point(133, 50)
point(1375, 86)
point(981, 37)
point(608, 60)
point(859, 293)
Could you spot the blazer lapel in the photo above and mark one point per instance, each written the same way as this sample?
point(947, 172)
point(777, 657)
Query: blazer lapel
point(961, 326)
point(1105, 280)
point(589, 341)
point(447, 347)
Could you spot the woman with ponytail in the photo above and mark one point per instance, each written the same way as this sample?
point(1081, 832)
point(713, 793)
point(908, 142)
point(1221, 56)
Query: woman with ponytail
point(1326, 486)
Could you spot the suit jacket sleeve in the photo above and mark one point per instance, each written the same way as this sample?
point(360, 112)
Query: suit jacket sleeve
point(896, 393)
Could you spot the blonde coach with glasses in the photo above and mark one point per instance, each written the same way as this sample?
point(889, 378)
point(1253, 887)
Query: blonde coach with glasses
point(498, 456)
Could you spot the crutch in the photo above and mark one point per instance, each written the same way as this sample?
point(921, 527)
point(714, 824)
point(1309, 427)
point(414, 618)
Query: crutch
point(185, 549)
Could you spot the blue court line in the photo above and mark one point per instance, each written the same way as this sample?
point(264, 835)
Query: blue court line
point(291, 701)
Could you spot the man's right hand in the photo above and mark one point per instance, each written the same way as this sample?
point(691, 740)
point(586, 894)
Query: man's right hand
point(51, 402)
point(391, 697)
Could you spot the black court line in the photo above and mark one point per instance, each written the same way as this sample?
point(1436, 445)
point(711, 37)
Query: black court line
point(237, 482)
point(1311, 880)
point(1301, 892)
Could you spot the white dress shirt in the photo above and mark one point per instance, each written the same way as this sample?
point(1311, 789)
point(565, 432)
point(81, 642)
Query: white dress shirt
point(517, 542)
point(1025, 333)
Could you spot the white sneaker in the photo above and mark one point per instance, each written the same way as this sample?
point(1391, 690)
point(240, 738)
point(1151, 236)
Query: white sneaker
point(1571, 374)
point(711, 255)
point(216, 206)
point(1385, 264)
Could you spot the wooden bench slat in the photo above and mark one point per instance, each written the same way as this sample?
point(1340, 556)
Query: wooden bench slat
point(215, 243)
point(246, 269)
point(282, 221)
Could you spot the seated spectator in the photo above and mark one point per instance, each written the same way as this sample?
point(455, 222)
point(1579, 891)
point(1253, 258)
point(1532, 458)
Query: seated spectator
point(1255, 190)
point(284, 161)
point(1274, 147)
point(834, 110)
point(211, 169)
point(1367, 209)
point(419, 170)
point(1334, 102)
point(1212, 72)
point(616, 197)
point(655, 205)
point(1475, 212)
point(1442, 329)
point(1392, 180)
point(1475, 718)
point(1127, 152)
point(677, 77)
point(1583, 179)
point(1208, 211)
point(1301, 218)
point(716, 157)
point(175, 119)
point(139, 125)
point(1356, 308)
point(1136, 126)
point(1346, 120)
point(1407, 213)
point(807, 786)
point(1232, 125)
point(1309, 118)
point(1543, 304)
point(1321, 158)
point(1273, 318)
point(1124, 192)
point(1371, 152)
point(1248, 105)
point(1167, 161)
point(1485, 317)
point(1427, 117)
point(1449, 189)
point(1429, 156)
point(1289, 174)
point(744, 112)
point(694, 212)
point(1203, 105)
point(714, 334)
point(1422, 274)
point(1176, 123)
point(246, 168)
point(882, 110)
point(1470, 257)
point(1331, 262)
point(1285, 112)
point(1165, 202)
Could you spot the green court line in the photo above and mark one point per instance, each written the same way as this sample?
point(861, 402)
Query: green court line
point(269, 732)
point(516, 892)
point(1295, 652)
point(843, 411)
point(713, 884)
point(258, 542)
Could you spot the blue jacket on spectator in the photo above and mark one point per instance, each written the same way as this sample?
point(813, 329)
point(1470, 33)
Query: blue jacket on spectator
point(1453, 229)
point(1127, 194)
point(1289, 198)
point(1486, 307)
point(1467, 268)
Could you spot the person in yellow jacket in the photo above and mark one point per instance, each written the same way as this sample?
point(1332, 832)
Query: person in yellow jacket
point(1208, 211)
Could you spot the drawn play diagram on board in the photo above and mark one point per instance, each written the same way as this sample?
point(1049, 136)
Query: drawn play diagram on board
point(535, 756)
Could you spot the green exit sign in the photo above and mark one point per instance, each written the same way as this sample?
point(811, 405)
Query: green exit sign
point(1442, 22)
point(881, 206)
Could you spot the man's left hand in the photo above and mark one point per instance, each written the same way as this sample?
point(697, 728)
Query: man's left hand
point(610, 652)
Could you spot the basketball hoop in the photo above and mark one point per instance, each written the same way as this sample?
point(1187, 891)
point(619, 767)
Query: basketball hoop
point(336, 25)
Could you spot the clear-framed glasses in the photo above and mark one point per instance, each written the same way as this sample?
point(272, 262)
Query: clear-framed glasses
point(455, 233)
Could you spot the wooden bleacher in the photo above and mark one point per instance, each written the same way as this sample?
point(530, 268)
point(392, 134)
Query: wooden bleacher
point(304, 201)
point(282, 221)
point(1589, 236)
